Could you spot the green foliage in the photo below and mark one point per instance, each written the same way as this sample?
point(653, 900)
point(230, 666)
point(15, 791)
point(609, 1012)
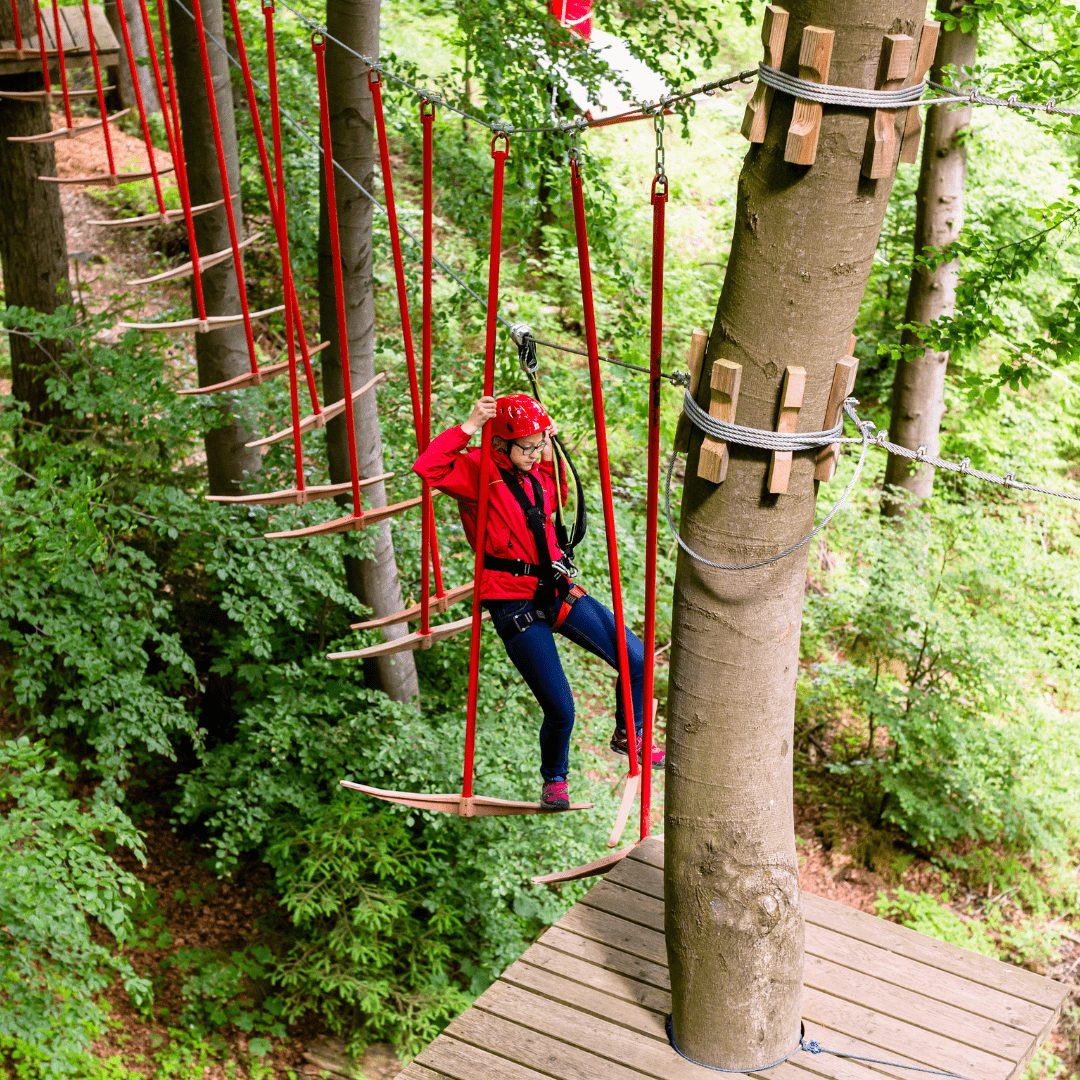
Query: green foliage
point(921, 912)
point(59, 878)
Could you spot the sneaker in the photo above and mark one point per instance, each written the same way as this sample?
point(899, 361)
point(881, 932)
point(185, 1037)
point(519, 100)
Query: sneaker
point(618, 744)
point(555, 796)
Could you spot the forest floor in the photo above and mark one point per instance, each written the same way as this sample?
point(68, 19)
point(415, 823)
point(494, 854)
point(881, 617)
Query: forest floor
point(194, 910)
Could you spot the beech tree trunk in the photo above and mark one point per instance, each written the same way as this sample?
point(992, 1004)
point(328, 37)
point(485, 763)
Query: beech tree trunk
point(802, 249)
point(33, 248)
point(219, 354)
point(141, 51)
point(373, 580)
point(918, 398)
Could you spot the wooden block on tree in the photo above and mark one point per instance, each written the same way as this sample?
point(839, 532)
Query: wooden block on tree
point(880, 156)
point(815, 55)
point(842, 385)
point(791, 398)
point(773, 36)
point(909, 151)
point(725, 381)
point(694, 361)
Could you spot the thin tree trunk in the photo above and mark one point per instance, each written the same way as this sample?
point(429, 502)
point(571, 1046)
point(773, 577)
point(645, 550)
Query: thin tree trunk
point(219, 354)
point(802, 249)
point(373, 580)
point(33, 248)
point(918, 398)
point(141, 51)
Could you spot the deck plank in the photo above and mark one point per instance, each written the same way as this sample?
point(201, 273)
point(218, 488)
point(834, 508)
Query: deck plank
point(462, 1061)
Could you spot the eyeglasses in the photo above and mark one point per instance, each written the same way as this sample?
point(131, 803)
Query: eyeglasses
point(533, 451)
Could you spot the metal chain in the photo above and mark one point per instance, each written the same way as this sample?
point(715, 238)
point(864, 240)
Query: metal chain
point(658, 128)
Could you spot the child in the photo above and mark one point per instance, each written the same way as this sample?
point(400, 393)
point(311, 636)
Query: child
point(526, 581)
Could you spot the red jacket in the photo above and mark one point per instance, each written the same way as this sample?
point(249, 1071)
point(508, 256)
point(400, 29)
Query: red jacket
point(452, 466)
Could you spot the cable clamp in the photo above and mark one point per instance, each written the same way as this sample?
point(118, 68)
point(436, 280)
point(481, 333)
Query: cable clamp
point(811, 1046)
point(1050, 106)
point(1009, 479)
point(1013, 99)
point(965, 466)
point(920, 454)
point(882, 435)
point(679, 378)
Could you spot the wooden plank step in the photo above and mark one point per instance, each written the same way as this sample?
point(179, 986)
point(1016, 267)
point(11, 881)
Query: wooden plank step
point(460, 1061)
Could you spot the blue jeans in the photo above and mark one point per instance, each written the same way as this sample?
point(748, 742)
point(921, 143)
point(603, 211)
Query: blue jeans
point(534, 654)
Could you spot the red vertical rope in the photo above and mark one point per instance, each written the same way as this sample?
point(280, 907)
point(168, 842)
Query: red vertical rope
point(41, 48)
point(427, 120)
point(499, 155)
point(274, 198)
point(60, 60)
point(318, 45)
point(223, 170)
point(18, 28)
point(139, 103)
point(375, 82)
point(176, 141)
point(281, 224)
point(599, 424)
point(99, 86)
point(656, 344)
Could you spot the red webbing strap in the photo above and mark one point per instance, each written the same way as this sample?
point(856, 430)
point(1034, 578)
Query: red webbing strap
point(223, 171)
point(427, 121)
point(375, 82)
point(18, 28)
point(170, 113)
point(318, 45)
point(41, 46)
point(60, 60)
point(499, 155)
point(100, 87)
point(603, 465)
point(656, 345)
point(122, 15)
point(281, 224)
point(273, 197)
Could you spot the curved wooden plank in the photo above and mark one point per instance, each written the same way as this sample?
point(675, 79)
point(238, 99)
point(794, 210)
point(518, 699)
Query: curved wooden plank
point(317, 420)
point(205, 262)
point(625, 806)
point(66, 132)
point(474, 806)
point(347, 523)
point(295, 496)
point(167, 218)
point(410, 642)
point(591, 869)
point(439, 604)
point(199, 326)
point(106, 179)
point(239, 382)
point(49, 96)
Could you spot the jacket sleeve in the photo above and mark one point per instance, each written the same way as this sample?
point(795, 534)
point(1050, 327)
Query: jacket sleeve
point(444, 465)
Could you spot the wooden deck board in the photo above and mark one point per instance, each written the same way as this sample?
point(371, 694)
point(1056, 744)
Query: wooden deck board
point(74, 38)
point(589, 1000)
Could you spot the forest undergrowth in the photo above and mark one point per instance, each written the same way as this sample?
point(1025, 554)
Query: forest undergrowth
point(192, 895)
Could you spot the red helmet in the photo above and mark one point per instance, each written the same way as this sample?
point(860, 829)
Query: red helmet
point(517, 416)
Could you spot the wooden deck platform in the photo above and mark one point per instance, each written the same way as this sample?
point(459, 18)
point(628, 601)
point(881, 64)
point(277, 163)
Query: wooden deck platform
point(73, 37)
point(589, 1000)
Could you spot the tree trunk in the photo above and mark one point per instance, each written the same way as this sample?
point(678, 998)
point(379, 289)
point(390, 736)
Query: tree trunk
point(33, 248)
point(374, 580)
point(918, 398)
point(219, 354)
point(802, 249)
point(141, 50)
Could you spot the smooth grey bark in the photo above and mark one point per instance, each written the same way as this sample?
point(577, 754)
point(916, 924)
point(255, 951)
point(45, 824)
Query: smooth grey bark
point(140, 49)
point(918, 397)
point(374, 581)
point(33, 247)
point(801, 254)
point(219, 354)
